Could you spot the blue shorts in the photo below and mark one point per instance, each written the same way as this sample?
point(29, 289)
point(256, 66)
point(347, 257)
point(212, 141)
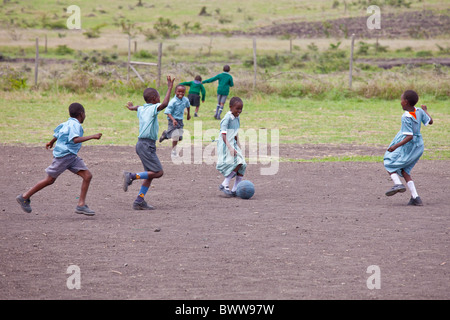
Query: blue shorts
point(175, 132)
point(146, 150)
point(69, 162)
point(221, 99)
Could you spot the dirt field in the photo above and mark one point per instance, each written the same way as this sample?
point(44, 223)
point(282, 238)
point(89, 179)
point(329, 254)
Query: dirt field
point(415, 24)
point(310, 232)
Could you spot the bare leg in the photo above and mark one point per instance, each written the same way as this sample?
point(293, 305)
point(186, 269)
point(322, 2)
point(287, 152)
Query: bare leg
point(87, 177)
point(151, 176)
point(39, 186)
point(406, 176)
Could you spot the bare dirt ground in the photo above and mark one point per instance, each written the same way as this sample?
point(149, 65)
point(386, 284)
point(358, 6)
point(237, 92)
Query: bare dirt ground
point(310, 231)
point(414, 24)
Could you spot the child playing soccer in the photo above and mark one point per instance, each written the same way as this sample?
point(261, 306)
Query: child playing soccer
point(225, 82)
point(68, 137)
point(146, 145)
point(407, 146)
point(175, 114)
point(230, 161)
point(196, 87)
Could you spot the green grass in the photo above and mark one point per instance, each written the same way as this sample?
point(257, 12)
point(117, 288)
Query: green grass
point(222, 15)
point(29, 117)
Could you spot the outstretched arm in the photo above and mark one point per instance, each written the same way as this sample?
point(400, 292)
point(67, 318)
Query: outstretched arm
point(211, 79)
point(130, 106)
point(168, 93)
point(83, 139)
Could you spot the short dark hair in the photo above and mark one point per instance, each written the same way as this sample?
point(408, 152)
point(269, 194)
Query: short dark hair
point(226, 68)
point(180, 85)
point(235, 100)
point(150, 95)
point(75, 109)
point(411, 96)
point(198, 78)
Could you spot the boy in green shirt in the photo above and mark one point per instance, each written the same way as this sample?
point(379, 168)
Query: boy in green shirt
point(225, 82)
point(196, 87)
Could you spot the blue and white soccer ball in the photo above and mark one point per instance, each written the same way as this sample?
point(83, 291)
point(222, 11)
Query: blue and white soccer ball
point(245, 189)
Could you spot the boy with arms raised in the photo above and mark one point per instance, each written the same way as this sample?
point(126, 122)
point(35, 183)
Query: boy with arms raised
point(146, 145)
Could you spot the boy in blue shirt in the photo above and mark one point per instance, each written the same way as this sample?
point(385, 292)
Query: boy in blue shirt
point(146, 145)
point(175, 114)
point(68, 137)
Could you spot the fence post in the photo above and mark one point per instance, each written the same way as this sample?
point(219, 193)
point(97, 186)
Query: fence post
point(36, 63)
point(159, 63)
point(254, 63)
point(129, 58)
point(351, 62)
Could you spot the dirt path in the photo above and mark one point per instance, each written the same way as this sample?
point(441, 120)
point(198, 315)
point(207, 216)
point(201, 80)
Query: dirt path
point(310, 232)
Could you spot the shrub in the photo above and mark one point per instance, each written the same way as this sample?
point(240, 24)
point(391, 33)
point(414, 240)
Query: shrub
point(62, 50)
point(11, 79)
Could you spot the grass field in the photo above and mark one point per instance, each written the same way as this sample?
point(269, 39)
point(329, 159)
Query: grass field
point(302, 90)
point(29, 118)
point(219, 15)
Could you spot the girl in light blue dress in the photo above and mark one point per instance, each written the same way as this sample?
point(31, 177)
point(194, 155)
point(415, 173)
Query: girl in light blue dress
point(407, 146)
point(230, 161)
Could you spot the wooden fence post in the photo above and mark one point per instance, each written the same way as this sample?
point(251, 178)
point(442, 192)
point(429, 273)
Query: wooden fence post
point(351, 62)
point(255, 67)
point(129, 58)
point(36, 63)
point(159, 63)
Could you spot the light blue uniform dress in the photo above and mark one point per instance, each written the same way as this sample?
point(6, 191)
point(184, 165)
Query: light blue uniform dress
point(226, 162)
point(406, 156)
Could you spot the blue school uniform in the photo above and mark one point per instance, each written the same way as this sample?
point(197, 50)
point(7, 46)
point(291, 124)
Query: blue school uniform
point(148, 121)
point(406, 156)
point(148, 133)
point(65, 133)
point(226, 163)
point(176, 107)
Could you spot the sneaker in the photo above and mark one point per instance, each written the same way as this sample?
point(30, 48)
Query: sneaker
point(233, 194)
point(163, 136)
point(127, 181)
point(395, 189)
point(195, 115)
point(415, 202)
point(173, 153)
point(24, 203)
point(225, 190)
point(142, 205)
point(84, 210)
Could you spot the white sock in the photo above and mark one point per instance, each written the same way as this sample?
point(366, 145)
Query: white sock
point(238, 179)
point(412, 188)
point(227, 180)
point(395, 178)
